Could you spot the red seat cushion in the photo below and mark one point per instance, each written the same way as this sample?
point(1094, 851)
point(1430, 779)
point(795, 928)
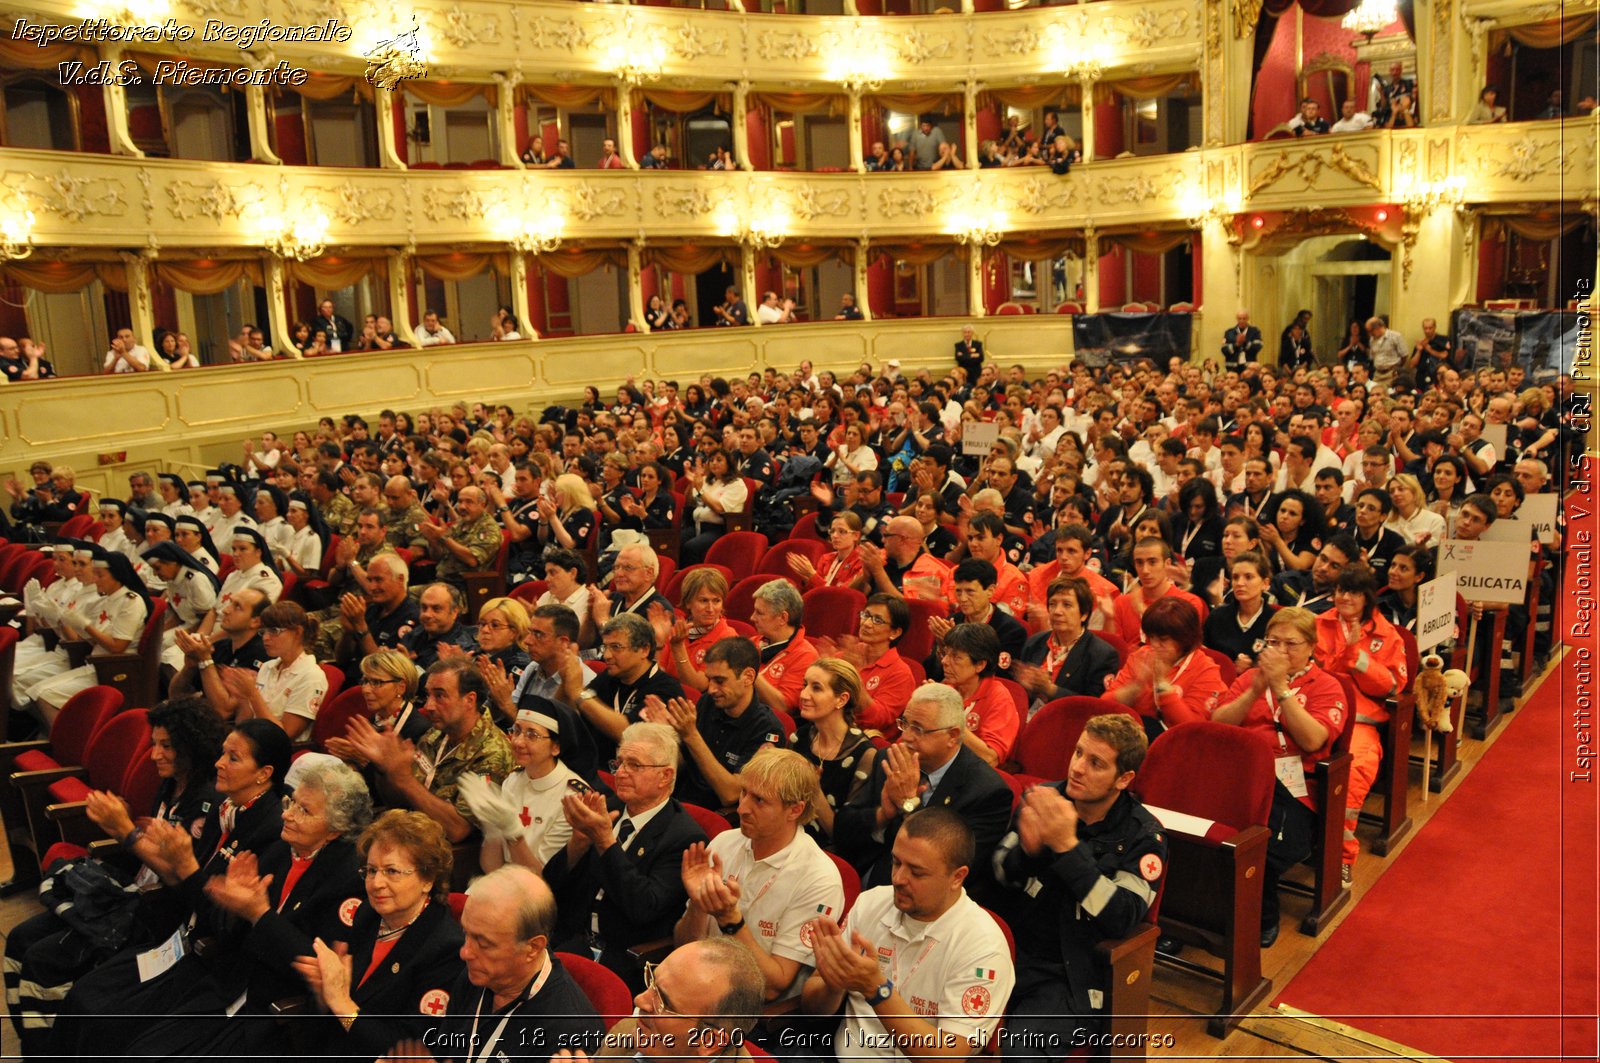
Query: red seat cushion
point(68, 791)
point(61, 851)
point(34, 760)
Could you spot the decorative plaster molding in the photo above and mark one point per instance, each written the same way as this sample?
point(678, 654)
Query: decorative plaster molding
point(1309, 167)
point(216, 200)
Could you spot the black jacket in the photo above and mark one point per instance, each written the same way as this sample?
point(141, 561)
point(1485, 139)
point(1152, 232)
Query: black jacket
point(407, 993)
point(1085, 671)
point(558, 1016)
point(969, 788)
point(1126, 851)
point(643, 884)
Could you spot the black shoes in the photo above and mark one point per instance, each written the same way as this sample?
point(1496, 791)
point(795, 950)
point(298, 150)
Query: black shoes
point(1269, 936)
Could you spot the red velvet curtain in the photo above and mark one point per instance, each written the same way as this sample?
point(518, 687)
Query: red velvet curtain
point(1273, 10)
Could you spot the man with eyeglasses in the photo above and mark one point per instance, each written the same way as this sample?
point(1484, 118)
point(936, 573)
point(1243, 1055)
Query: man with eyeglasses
point(514, 999)
point(724, 729)
point(763, 883)
point(886, 679)
point(463, 739)
point(698, 1003)
point(973, 589)
point(633, 589)
point(616, 697)
point(555, 672)
point(902, 567)
point(930, 766)
point(620, 883)
point(922, 972)
point(439, 610)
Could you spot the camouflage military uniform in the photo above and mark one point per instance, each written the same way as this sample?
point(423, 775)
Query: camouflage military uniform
point(481, 536)
point(340, 515)
point(439, 766)
point(400, 527)
point(330, 621)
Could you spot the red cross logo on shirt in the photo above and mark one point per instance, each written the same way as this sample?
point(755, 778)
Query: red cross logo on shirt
point(526, 816)
point(104, 616)
point(434, 1002)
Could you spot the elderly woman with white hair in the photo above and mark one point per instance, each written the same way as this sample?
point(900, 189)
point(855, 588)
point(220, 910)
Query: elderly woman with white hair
point(306, 887)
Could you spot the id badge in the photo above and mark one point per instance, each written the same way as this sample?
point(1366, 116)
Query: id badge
point(428, 768)
point(157, 961)
point(1292, 773)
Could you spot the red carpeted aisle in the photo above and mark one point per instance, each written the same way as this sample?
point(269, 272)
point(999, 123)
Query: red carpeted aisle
point(1480, 941)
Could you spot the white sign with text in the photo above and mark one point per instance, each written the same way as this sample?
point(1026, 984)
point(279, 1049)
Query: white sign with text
point(1487, 571)
point(1436, 611)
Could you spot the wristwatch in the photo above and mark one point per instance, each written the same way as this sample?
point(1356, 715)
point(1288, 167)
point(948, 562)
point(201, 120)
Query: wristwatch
point(882, 993)
point(910, 805)
point(586, 693)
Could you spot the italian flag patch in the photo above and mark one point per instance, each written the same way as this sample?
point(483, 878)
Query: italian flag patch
point(987, 973)
point(824, 909)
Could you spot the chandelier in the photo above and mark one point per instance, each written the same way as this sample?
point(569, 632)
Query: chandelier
point(1370, 17)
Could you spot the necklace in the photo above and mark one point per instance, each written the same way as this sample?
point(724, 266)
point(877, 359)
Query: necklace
point(386, 934)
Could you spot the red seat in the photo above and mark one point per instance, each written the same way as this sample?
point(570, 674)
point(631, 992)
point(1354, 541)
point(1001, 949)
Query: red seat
point(76, 527)
point(1116, 642)
point(674, 589)
point(919, 674)
point(75, 726)
point(742, 627)
point(335, 679)
point(833, 612)
point(107, 759)
point(776, 560)
point(850, 879)
point(666, 568)
point(1213, 888)
point(458, 904)
point(785, 724)
point(741, 596)
point(1019, 696)
point(335, 715)
point(738, 551)
point(607, 993)
point(713, 823)
point(806, 528)
point(1043, 750)
point(1224, 665)
point(917, 641)
point(530, 592)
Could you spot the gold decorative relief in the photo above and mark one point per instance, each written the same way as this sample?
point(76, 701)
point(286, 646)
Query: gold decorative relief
point(560, 34)
point(1150, 27)
point(1246, 15)
point(1043, 196)
point(786, 44)
point(919, 46)
point(690, 42)
point(810, 203)
point(443, 204)
point(352, 204)
point(1525, 159)
point(687, 201)
point(456, 26)
point(587, 202)
point(1014, 42)
point(216, 200)
point(1443, 21)
point(905, 202)
point(1133, 189)
point(68, 198)
point(1310, 165)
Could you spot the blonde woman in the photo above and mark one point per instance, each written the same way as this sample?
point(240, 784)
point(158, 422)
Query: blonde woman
point(569, 519)
point(1411, 518)
point(827, 736)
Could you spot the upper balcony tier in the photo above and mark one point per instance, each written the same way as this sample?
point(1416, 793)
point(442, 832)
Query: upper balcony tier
point(99, 201)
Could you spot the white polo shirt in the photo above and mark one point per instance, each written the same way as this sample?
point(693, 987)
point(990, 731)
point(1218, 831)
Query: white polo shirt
point(544, 825)
point(955, 972)
point(782, 893)
point(258, 576)
point(120, 614)
point(297, 690)
point(191, 596)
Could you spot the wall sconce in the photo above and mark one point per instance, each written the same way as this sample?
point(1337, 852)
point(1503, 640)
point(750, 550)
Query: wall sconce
point(1423, 198)
point(538, 237)
point(641, 62)
point(303, 239)
point(761, 233)
point(977, 230)
point(1201, 210)
point(16, 236)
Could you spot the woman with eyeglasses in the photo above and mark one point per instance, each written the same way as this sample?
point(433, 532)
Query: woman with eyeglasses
point(1299, 709)
point(521, 818)
point(290, 687)
point(44, 955)
point(389, 682)
point(302, 889)
point(105, 1004)
point(502, 629)
point(828, 737)
point(841, 567)
point(1168, 681)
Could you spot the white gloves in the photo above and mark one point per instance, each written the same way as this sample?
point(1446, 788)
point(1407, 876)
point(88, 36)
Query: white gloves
point(30, 591)
point(76, 619)
point(499, 818)
point(46, 611)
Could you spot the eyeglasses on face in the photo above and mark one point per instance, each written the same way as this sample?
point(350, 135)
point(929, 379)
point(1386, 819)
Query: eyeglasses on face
point(916, 730)
point(531, 734)
point(630, 766)
point(376, 681)
point(871, 618)
point(1284, 643)
point(388, 874)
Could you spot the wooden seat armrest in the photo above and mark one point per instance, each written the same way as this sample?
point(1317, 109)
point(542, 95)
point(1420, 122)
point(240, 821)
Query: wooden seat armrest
point(67, 810)
point(38, 780)
point(77, 651)
point(652, 951)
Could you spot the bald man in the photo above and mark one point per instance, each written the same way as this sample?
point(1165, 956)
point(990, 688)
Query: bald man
point(902, 566)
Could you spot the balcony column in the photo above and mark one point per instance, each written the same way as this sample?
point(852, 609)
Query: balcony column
point(969, 121)
point(1086, 86)
point(388, 153)
point(1220, 257)
point(975, 307)
point(968, 8)
point(858, 160)
point(519, 291)
point(400, 295)
point(747, 280)
point(1091, 269)
point(260, 122)
point(140, 309)
point(636, 312)
point(117, 112)
point(505, 118)
point(625, 125)
point(862, 259)
point(850, 7)
point(277, 282)
point(741, 130)
point(1431, 264)
point(1226, 68)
